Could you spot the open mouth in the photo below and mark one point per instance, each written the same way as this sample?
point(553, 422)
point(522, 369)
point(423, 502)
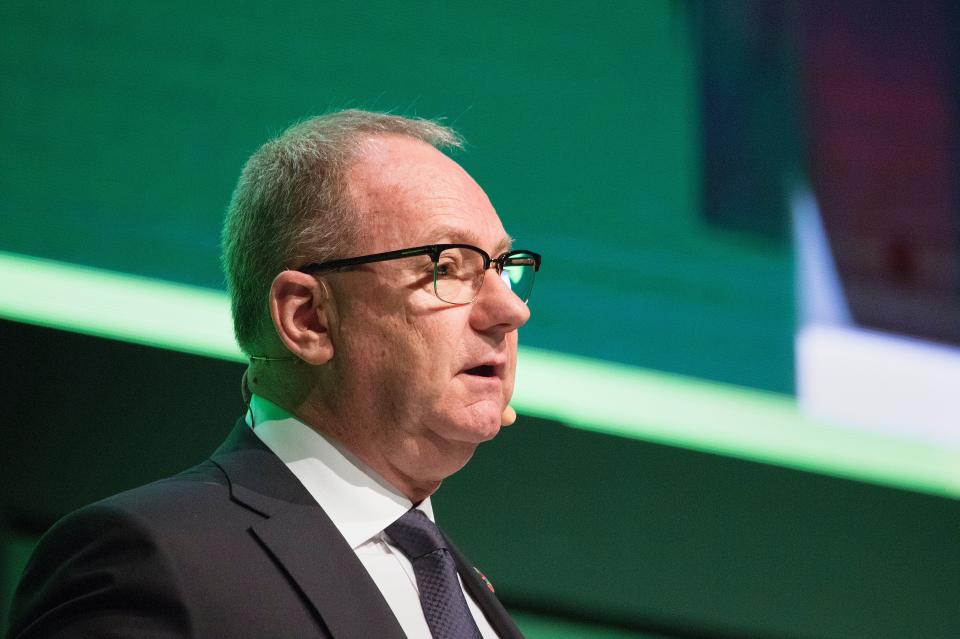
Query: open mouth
point(484, 370)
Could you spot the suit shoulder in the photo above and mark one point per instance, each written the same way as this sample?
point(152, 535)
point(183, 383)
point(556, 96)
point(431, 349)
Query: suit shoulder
point(203, 482)
point(142, 517)
point(85, 571)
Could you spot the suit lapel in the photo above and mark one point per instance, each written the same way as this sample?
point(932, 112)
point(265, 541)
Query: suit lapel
point(303, 540)
point(328, 573)
point(494, 611)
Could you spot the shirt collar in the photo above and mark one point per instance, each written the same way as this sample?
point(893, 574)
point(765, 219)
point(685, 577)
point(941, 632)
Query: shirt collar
point(357, 499)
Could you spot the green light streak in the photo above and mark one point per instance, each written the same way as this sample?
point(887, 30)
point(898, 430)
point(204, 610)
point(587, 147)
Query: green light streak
point(723, 419)
point(583, 393)
point(117, 306)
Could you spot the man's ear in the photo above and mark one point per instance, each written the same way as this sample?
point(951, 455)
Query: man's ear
point(301, 308)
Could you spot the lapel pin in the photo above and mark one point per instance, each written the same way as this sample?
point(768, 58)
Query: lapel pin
point(486, 581)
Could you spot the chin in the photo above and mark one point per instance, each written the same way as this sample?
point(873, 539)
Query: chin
point(473, 426)
point(486, 434)
point(482, 432)
point(483, 426)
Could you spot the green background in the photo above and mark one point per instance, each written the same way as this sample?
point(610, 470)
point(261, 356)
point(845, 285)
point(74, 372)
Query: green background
point(126, 124)
point(123, 132)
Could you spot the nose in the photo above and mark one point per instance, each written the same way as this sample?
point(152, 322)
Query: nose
point(497, 308)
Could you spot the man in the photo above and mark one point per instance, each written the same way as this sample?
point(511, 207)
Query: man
point(382, 353)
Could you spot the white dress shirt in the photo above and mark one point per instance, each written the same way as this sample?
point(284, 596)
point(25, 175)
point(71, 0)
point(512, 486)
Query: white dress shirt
point(361, 505)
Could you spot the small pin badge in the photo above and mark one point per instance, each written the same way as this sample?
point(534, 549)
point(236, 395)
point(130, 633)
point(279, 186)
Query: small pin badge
point(483, 578)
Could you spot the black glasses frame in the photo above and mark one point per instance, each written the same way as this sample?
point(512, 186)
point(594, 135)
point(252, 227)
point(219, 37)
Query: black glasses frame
point(433, 250)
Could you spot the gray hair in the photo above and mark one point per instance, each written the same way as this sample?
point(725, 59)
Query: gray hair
point(291, 206)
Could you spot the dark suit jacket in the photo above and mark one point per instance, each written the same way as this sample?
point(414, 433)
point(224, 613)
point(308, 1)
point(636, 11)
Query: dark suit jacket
point(234, 547)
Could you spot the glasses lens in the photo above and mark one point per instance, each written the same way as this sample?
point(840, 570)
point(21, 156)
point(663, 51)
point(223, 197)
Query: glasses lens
point(458, 275)
point(518, 273)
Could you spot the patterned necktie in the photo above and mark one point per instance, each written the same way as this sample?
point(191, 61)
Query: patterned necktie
point(441, 597)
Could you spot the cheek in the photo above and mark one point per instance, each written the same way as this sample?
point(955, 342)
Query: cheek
point(407, 361)
point(442, 341)
point(400, 357)
point(409, 351)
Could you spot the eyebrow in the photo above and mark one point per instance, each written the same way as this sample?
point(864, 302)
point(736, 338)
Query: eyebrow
point(457, 235)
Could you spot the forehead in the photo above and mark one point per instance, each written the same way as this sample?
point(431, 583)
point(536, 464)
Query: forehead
point(408, 193)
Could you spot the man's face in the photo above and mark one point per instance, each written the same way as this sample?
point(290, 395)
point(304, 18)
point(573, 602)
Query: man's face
point(434, 377)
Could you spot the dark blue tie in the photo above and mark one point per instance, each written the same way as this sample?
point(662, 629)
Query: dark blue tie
point(441, 597)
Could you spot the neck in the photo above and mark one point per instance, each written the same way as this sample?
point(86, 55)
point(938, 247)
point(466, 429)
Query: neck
point(414, 466)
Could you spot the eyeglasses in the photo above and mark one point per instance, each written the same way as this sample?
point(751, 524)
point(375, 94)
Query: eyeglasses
point(458, 269)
